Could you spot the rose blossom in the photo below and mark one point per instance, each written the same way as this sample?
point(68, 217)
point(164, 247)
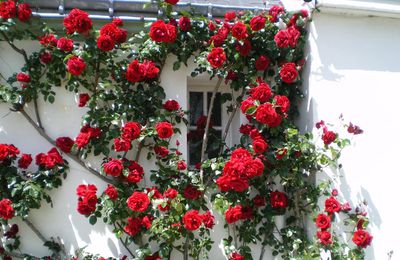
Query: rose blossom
point(164, 130)
point(184, 23)
point(138, 201)
point(105, 43)
point(133, 226)
point(83, 99)
point(113, 167)
point(162, 32)
point(324, 237)
point(289, 73)
point(278, 200)
point(236, 256)
point(131, 131)
point(262, 63)
point(239, 31)
point(192, 220)
point(111, 191)
point(6, 209)
point(257, 22)
point(24, 161)
point(122, 145)
point(332, 205)
point(171, 105)
point(76, 65)
point(77, 21)
point(161, 151)
point(259, 145)
point(171, 193)
point(362, 238)
point(8, 9)
point(244, 48)
point(45, 57)
point(216, 57)
point(282, 103)
point(191, 193)
point(328, 137)
point(208, 219)
point(323, 221)
point(23, 77)
point(262, 92)
point(65, 144)
point(172, 2)
point(266, 114)
point(65, 44)
point(24, 12)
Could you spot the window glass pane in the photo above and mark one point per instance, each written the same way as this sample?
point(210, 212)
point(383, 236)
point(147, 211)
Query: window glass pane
point(214, 142)
point(194, 138)
point(217, 108)
point(196, 106)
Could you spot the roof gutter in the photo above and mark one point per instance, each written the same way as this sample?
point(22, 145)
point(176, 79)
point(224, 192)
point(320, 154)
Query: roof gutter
point(360, 8)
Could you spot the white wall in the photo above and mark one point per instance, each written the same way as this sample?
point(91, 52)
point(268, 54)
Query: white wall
point(354, 69)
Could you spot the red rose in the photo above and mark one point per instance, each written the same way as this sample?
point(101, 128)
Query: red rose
point(171, 193)
point(182, 165)
point(162, 32)
point(245, 129)
point(289, 72)
point(262, 92)
point(236, 256)
point(8, 9)
point(131, 131)
point(105, 43)
point(259, 201)
point(6, 209)
point(259, 145)
point(24, 12)
point(23, 77)
point(171, 105)
point(65, 44)
point(282, 103)
point(76, 65)
point(49, 160)
point(246, 104)
point(122, 145)
point(294, 36)
point(216, 57)
point(82, 139)
point(329, 137)
point(118, 22)
point(65, 144)
point(219, 38)
point(161, 151)
point(45, 57)
point(232, 182)
point(113, 167)
point(184, 23)
point(282, 39)
point(243, 48)
point(211, 26)
point(192, 220)
point(83, 99)
point(230, 16)
point(208, 219)
point(164, 130)
point(150, 69)
point(172, 2)
point(133, 226)
point(362, 238)
point(111, 192)
point(323, 221)
point(254, 133)
point(48, 40)
point(111, 30)
point(274, 11)
point(8, 151)
point(354, 129)
point(191, 193)
point(332, 205)
point(258, 22)
point(262, 63)
point(136, 172)
point(280, 153)
point(233, 214)
point(24, 161)
point(77, 21)
point(138, 201)
point(147, 221)
point(266, 114)
point(239, 31)
point(135, 72)
point(278, 200)
point(324, 237)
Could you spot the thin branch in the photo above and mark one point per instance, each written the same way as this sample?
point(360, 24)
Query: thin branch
point(71, 156)
point(20, 51)
point(35, 230)
point(205, 136)
point(120, 239)
point(39, 121)
point(230, 120)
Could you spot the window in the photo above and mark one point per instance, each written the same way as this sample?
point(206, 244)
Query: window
point(199, 103)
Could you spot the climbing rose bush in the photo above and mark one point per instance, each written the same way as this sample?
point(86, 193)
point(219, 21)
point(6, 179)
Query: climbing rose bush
point(115, 77)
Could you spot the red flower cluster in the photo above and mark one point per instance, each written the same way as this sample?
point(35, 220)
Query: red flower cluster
point(110, 34)
point(362, 238)
point(141, 71)
point(131, 131)
point(258, 22)
point(135, 225)
point(8, 10)
point(328, 137)
point(113, 167)
point(287, 37)
point(191, 192)
point(111, 192)
point(238, 170)
point(289, 73)
point(136, 172)
point(172, 2)
point(278, 200)
point(6, 209)
point(164, 130)
point(262, 63)
point(274, 12)
point(23, 77)
point(216, 57)
point(192, 220)
point(76, 65)
point(171, 105)
point(184, 23)
point(163, 32)
point(48, 40)
point(8, 151)
point(83, 99)
point(49, 160)
point(87, 199)
point(234, 214)
point(65, 144)
point(77, 21)
point(161, 151)
point(138, 201)
point(25, 161)
point(86, 134)
point(239, 31)
point(65, 44)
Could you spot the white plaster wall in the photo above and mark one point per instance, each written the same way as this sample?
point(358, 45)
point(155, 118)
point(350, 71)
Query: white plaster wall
point(353, 69)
